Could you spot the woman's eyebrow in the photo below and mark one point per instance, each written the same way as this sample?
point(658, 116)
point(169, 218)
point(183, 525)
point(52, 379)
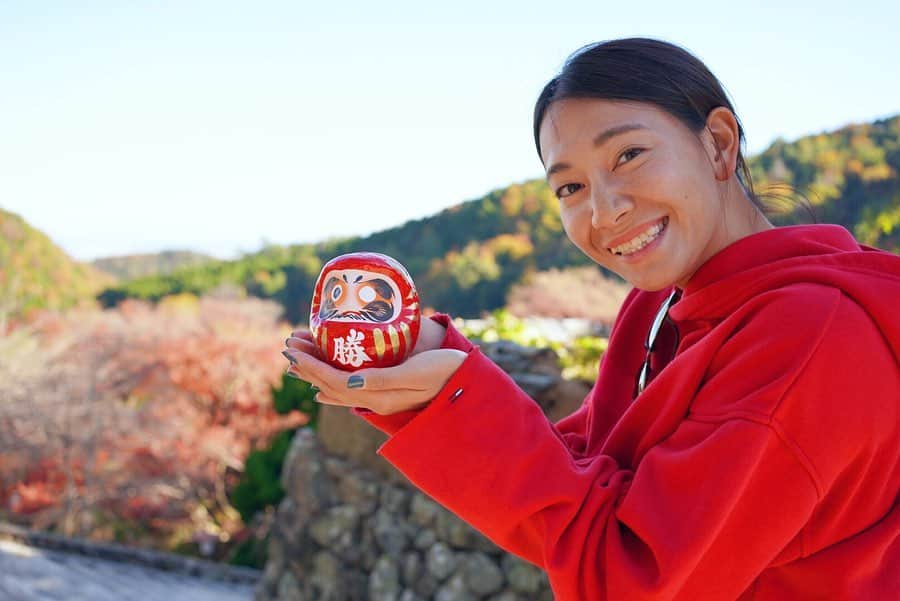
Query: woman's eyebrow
point(599, 140)
point(617, 130)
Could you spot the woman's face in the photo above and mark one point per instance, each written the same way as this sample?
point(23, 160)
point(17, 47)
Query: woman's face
point(637, 189)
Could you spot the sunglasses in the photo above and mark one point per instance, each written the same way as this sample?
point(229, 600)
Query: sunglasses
point(650, 344)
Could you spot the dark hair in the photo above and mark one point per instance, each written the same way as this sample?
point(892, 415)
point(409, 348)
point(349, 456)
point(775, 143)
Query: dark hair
point(645, 70)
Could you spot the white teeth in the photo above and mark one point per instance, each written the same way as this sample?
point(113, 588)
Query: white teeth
point(639, 242)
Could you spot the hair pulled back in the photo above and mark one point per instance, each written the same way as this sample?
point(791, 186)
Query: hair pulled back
point(644, 70)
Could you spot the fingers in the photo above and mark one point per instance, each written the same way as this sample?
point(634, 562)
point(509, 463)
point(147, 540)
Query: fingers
point(387, 390)
point(303, 345)
point(324, 376)
point(314, 371)
point(302, 333)
point(376, 402)
point(367, 379)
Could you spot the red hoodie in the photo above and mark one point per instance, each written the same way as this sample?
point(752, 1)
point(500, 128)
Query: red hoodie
point(763, 462)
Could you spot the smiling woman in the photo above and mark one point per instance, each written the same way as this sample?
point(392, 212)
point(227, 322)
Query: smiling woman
point(743, 436)
point(646, 197)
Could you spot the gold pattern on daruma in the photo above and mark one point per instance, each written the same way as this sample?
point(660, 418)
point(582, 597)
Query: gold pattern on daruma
point(380, 346)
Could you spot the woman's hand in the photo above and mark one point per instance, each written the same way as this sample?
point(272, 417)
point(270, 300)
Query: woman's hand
point(410, 385)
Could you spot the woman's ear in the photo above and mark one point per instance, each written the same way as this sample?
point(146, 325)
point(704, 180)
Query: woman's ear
point(724, 141)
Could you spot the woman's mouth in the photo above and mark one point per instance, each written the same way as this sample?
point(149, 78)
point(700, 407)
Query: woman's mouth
point(641, 241)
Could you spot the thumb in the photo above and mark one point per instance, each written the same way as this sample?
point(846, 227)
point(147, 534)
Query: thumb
point(423, 371)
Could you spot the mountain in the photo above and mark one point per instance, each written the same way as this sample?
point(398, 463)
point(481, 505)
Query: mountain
point(849, 175)
point(467, 258)
point(129, 267)
point(36, 274)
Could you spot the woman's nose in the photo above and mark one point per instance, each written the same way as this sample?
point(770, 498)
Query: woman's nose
point(609, 208)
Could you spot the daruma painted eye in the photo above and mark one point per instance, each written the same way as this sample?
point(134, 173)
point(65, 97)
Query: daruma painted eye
point(365, 311)
point(367, 294)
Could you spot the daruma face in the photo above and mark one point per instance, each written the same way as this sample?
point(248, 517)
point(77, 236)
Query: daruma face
point(365, 312)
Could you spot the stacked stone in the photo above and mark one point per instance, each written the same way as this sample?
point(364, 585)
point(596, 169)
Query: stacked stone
point(342, 534)
point(351, 528)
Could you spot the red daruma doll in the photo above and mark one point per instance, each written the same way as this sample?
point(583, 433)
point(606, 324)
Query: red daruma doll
point(365, 311)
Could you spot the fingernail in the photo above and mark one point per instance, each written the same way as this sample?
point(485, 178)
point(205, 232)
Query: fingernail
point(286, 340)
point(289, 357)
point(355, 382)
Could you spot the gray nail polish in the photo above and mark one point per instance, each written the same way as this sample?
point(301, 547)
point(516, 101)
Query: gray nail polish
point(355, 382)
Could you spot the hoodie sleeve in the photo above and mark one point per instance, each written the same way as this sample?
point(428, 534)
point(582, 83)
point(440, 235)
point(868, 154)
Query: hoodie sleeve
point(389, 424)
point(599, 529)
point(699, 514)
point(572, 427)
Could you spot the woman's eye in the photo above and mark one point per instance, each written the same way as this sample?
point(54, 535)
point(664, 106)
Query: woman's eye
point(630, 154)
point(567, 190)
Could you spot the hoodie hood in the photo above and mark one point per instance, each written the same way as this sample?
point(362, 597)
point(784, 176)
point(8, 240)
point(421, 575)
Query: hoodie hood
point(818, 254)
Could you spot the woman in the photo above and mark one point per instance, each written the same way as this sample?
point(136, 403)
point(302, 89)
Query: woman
point(742, 438)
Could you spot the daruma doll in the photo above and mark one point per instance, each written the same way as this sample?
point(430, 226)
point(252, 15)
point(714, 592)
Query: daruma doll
point(365, 311)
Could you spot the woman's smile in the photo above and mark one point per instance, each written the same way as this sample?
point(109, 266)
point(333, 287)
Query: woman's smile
point(637, 246)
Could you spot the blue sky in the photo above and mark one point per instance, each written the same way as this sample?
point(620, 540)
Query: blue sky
point(135, 126)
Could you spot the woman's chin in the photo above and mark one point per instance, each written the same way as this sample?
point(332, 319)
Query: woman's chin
point(653, 286)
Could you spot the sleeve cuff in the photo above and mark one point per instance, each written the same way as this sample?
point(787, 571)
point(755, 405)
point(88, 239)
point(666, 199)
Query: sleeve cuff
point(389, 424)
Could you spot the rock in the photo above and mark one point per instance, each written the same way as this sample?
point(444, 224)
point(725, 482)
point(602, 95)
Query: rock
point(450, 528)
point(335, 525)
point(359, 491)
point(424, 540)
point(327, 566)
point(534, 384)
point(395, 499)
point(482, 575)
point(390, 536)
point(288, 587)
point(292, 523)
point(564, 398)
point(441, 561)
point(479, 542)
point(270, 578)
point(348, 436)
point(505, 596)
point(423, 510)
point(523, 577)
point(408, 595)
point(412, 568)
point(274, 566)
point(303, 475)
point(426, 586)
point(384, 581)
point(328, 580)
point(369, 549)
point(454, 590)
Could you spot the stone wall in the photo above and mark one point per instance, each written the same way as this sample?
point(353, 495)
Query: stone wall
point(352, 528)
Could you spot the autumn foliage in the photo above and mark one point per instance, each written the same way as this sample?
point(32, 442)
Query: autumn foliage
point(134, 423)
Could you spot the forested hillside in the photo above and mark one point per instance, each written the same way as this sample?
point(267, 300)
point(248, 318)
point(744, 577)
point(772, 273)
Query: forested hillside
point(36, 274)
point(130, 267)
point(466, 258)
point(850, 175)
